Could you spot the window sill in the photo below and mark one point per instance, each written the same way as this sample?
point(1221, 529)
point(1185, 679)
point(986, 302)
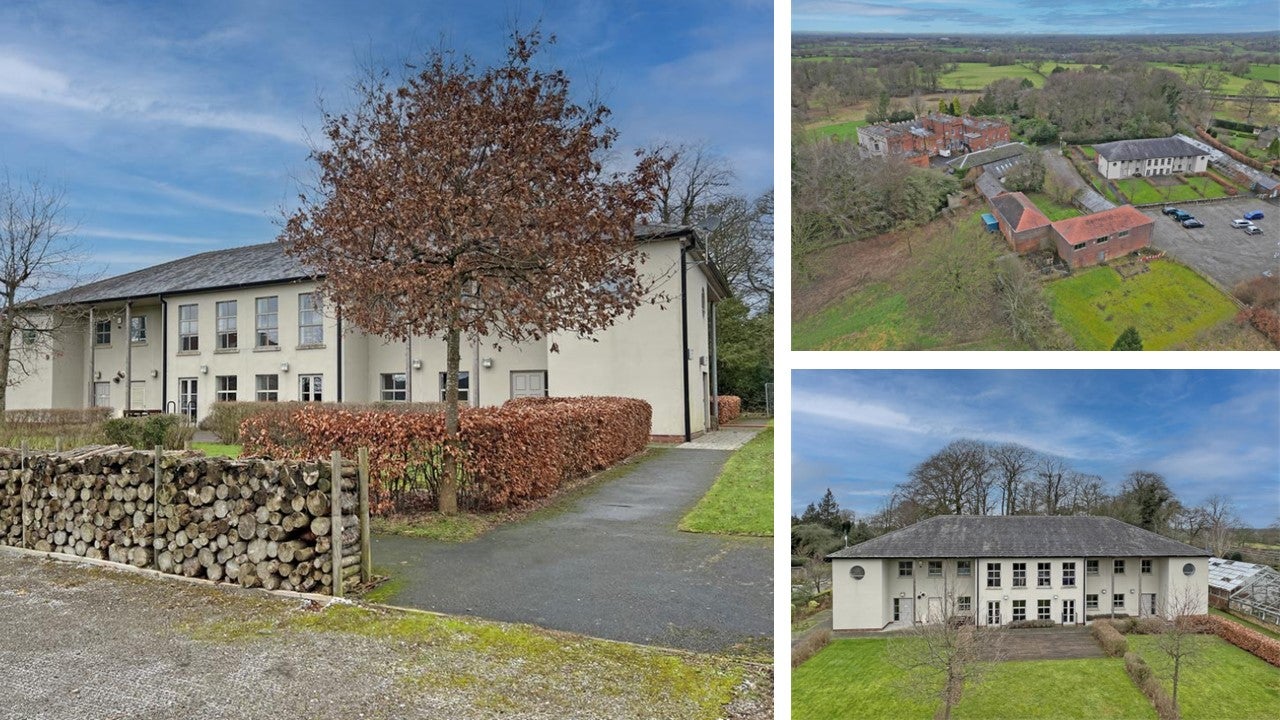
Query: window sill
point(312, 346)
point(144, 343)
point(102, 347)
point(188, 353)
point(226, 351)
point(267, 349)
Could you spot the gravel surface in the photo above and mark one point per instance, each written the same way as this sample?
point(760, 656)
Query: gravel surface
point(89, 642)
point(610, 564)
point(1218, 250)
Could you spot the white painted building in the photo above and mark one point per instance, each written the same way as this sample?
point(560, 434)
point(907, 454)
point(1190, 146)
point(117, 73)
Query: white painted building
point(243, 324)
point(1001, 569)
point(1150, 156)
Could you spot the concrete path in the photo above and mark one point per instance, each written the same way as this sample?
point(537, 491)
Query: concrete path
point(821, 621)
point(1090, 199)
point(729, 437)
point(1060, 643)
point(611, 564)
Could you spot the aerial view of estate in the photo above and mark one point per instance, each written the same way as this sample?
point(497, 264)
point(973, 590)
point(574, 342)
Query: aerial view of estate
point(386, 360)
point(996, 179)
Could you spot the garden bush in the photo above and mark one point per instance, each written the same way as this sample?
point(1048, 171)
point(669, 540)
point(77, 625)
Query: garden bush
point(506, 456)
point(730, 408)
point(810, 646)
point(169, 431)
point(60, 416)
point(1265, 320)
point(1150, 686)
point(1109, 638)
point(225, 418)
point(1247, 639)
point(1260, 291)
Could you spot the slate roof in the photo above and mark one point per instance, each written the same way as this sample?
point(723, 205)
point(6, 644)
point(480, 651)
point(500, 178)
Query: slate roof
point(1106, 223)
point(990, 155)
point(1019, 212)
point(1147, 149)
point(978, 536)
point(246, 266)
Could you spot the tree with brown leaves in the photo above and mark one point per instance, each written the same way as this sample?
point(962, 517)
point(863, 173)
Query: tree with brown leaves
point(468, 202)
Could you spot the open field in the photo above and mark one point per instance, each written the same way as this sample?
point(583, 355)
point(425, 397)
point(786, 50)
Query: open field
point(1234, 84)
point(853, 678)
point(1169, 305)
point(1225, 682)
point(975, 76)
point(847, 131)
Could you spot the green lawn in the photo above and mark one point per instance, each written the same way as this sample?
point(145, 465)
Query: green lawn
point(741, 500)
point(1089, 152)
point(1052, 209)
point(874, 318)
point(1224, 682)
point(1168, 305)
point(217, 449)
point(846, 131)
point(853, 679)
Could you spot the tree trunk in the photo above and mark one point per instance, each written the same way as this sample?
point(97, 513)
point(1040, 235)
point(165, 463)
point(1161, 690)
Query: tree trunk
point(449, 475)
point(6, 350)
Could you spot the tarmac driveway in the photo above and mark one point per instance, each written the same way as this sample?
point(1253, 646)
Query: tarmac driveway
point(612, 564)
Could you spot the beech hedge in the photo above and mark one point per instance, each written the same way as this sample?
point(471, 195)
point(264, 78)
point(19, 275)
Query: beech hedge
point(1146, 681)
point(1251, 641)
point(59, 416)
point(506, 456)
point(1113, 643)
point(729, 407)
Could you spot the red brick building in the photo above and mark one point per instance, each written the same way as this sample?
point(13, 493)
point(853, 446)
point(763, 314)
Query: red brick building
point(932, 135)
point(1092, 239)
point(1021, 222)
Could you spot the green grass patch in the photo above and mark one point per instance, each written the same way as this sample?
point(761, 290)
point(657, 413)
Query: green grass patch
point(874, 318)
point(1168, 305)
point(741, 500)
point(845, 131)
point(433, 526)
point(1089, 152)
point(1206, 187)
point(853, 678)
point(1053, 209)
point(387, 590)
point(1241, 621)
point(975, 76)
point(218, 449)
point(1223, 682)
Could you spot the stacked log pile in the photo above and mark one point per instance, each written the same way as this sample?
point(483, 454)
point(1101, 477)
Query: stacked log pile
point(255, 522)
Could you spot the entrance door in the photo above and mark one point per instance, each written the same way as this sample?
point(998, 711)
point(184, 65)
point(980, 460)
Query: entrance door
point(1102, 256)
point(102, 394)
point(528, 383)
point(706, 403)
point(993, 612)
point(187, 397)
point(935, 609)
point(1148, 604)
point(1068, 612)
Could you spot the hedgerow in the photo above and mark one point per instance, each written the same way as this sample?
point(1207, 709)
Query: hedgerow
point(729, 408)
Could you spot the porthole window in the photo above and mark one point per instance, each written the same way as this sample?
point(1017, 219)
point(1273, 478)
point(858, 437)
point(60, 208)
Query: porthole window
point(857, 573)
point(1189, 569)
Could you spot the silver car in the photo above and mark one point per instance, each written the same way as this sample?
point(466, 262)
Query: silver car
point(1238, 223)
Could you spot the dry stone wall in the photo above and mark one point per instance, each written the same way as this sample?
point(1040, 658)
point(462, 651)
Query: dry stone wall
point(254, 522)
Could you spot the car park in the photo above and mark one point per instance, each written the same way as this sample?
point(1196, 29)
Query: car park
point(1253, 215)
point(1238, 223)
point(1192, 223)
point(1169, 210)
point(1253, 230)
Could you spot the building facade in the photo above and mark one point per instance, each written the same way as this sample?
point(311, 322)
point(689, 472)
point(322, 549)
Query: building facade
point(246, 324)
point(930, 136)
point(1024, 227)
point(1092, 239)
point(1150, 156)
point(1000, 569)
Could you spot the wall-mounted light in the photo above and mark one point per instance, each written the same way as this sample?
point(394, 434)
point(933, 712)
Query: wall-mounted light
point(1104, 591)
point(284, 367)
point(204, 369)
point(155, 373)
point(1006, 597)
point(486, 363)
point(902, 594)
point(97, 375)
point(1055, 597)
point(417, 364)
point(1132, 591)
point(119, 321)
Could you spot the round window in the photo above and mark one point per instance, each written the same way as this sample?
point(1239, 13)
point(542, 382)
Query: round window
point(857, 573)
point(1189, 569)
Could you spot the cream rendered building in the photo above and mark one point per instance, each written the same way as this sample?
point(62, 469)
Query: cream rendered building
point(1001, 569)
point(1150, 156)
point(243, 324)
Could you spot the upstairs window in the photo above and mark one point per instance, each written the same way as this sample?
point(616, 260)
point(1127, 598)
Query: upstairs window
point(1043, 574)
point(1019, 574)
point(102, 332)
point(268, 322)
point(310, 323)
point(138, 329)
point(188, 328)
point(228, 338)
point(904, 568)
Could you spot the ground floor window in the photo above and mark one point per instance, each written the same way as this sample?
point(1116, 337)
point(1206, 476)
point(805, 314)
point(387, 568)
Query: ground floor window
point(267, 388)
point(1117, 601)
point(1044, 610)
point(964, 603)
point(1019, 610)
point(464, 385)
point(897, 609)
point(311, 388)
point(393, 388)
point(226, 388)
point(1090, 602)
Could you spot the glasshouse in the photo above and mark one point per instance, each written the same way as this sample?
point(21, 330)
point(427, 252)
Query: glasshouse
point(1245, 588)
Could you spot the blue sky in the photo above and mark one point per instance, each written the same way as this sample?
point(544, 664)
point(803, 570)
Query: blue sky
point(1206, 432)
point(180, 127)
point(1082, 17)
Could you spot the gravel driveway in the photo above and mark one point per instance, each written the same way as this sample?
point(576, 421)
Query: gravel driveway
point(611, 564)
point(87, 642)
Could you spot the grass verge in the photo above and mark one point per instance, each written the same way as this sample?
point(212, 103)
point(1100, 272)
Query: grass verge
point(1223, 682)
point(741, 500)
point(1170, 306)
point(218, 449)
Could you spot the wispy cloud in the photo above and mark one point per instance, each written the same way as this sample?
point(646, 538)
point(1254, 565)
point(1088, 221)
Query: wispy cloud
point(151, 237)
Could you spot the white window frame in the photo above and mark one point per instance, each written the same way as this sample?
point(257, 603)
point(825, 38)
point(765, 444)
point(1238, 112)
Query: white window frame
point(964, 603)
point(226, 325)
point(138, 329)
point(311, 388)
point(464, 386)
point(935, 568)
point(1145, 567)
point(1014, 614)
point(266, 335)
point(1044, 574)
point(1117, 567)
point(1091, 602)
point(1091, 567)
point(1044, 609)
point(905, 568)
point(189, 328)
point(964, 568)
point(1117, 601)
point(1068, 574)
point(993, 575)
point(270, 393)
point(387, 390)
point(99, 334)
point(224, 393)
point(310, 320)
point(1019, 575)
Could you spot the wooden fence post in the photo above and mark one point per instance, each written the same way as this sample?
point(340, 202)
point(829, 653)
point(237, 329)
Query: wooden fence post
point(155, 509)
point(57, 443)
point(366, 554)
point(335, 527)
point(22, 471)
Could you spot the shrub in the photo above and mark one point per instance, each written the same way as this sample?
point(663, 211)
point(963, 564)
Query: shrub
point(809, 646)
point(1148, 626)
point(521, 451)
point(730, 408)
point(1260, 291)
point(1150, 686)
point(1251, 641)
point(168, 431)
point(225, 418)
point(1109, 638)
point(60, 416)
point(1266, 320)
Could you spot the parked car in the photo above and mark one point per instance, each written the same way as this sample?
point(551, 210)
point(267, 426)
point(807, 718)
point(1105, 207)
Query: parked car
point(1192, 223)
point(1240, 223)
point(1179, 215)
point(1253, 215)
point(1253, 230)
point(1169, 210)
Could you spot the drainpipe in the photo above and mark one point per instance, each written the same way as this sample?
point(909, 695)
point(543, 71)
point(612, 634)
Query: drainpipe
point(93, 350)
point(474, 390)
point(164, 356)
point(714, 354)
point(339, 332)
point(128, 357)
point(408, 368)
point(684, 339)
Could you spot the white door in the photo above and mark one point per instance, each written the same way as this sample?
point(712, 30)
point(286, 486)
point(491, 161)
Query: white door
point(1148, 605)
point(187, 397)
point(993, 612)
point(935, 609)
point(1068, 612)
point(528, 383)
point(102, 394)
point(138, 395)
point(907, 612)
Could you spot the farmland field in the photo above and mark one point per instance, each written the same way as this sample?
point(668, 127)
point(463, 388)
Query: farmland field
point(853, 678)
point(975, 76)
point(1226, 682)
point(1169, 306)
point(847, 131)
point(1234, 84)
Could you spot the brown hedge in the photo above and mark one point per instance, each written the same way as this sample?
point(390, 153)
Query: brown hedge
point(1146, 681)
point(61, 416)
point(519, 452)
point(729, 408)
point(1251, 641)
point(1109, 638)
